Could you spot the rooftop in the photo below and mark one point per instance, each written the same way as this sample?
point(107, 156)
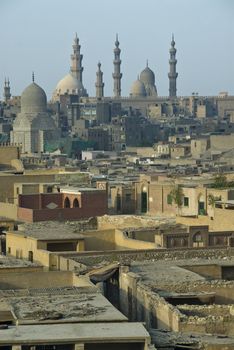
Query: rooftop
point(66, 333)
point(10, 262)
point(51, 230)
point(59, 305)
point(164, 339)
point(73, 189)
point(171, 272)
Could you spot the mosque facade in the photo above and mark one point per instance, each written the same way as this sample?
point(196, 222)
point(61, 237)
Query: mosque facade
point(33, 126)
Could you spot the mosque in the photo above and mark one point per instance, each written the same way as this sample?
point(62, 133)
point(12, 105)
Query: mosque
point(34, 127)
point(143, 87)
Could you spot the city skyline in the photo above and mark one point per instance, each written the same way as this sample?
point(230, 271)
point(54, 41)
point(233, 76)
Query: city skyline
point(42, 36)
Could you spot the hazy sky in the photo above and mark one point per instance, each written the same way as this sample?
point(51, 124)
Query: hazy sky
point(38, 35)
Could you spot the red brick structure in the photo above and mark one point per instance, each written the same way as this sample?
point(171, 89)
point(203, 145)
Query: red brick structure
point(65, 205)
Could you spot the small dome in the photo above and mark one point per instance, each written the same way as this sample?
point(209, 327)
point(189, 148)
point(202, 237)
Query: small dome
point(138, 89)
point(69, 84)
point(147, 76)
point(33, 99)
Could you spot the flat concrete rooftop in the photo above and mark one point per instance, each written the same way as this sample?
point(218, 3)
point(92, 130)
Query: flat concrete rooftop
point(59, 305)
point(51, 230)
point(166, 339)
point(62, 334)
point(175, 271)
point(10, 262)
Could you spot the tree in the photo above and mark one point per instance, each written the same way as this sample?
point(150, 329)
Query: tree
point(220, 181)
point(212, 199)
point(177, 196)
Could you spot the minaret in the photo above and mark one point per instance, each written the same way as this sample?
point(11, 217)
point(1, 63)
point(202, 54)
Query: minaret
point(172, 75)
point(117, 75)
point(99, 83)
point(76, 60)
point(7, 90)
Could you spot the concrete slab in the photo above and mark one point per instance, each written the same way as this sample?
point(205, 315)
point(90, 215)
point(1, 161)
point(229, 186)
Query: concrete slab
point(65, 333)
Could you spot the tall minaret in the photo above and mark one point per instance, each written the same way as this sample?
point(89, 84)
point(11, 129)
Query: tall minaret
point(172, 75)
point(99, 83)
point(76, 60)
point(117, 75)
point(7, 90)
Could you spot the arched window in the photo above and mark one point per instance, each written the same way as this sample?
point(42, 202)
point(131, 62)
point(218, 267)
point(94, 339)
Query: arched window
point(197, 237)
point(198, 240)
point(76, 203)
point(67, 203)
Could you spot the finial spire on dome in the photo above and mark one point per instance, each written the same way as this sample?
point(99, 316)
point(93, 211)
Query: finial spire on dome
point(33, 77)
point(172, 40)
point(76, 40)
point(117, 40)
point(147, 63)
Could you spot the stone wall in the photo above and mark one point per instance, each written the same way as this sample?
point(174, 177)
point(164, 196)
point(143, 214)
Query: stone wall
point(38, 279)
point(100, 240)
point(8, 210)
point(211, 319)
point(8, 153)
point(22, 246)
point(126, 257)
point(139, 303)
point(7, 183)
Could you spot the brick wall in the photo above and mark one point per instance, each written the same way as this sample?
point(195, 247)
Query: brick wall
point(40, 201)
point(93, 204)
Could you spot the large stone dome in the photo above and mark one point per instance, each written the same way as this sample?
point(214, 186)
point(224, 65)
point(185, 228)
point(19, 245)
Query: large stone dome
point(33, 99)
point(138, 89)
point(69, 85)
point(147, 76)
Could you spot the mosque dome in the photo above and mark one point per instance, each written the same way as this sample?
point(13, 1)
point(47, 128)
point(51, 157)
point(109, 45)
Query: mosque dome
point(69, 85)
point(147, 76)
point(137, 89)
point(33, 99)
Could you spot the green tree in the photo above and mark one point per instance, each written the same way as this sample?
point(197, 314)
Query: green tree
point(212, 199)
point(220, 181)
point(177, 196)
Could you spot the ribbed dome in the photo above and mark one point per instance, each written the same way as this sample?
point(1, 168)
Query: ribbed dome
point(33, 99)
point(138, 89)
point(147, 76)
point(69, 84)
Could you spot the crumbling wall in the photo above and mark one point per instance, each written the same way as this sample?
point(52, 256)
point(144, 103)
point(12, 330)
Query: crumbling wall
point(208, 271)
point(139, 303)
point(123, 221)
point(123, 242)
point(211, 319)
